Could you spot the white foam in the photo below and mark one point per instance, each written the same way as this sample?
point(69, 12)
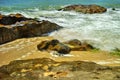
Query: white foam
point(100, 30)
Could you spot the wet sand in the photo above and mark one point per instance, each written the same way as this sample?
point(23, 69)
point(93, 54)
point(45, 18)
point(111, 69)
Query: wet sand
point(25, 48)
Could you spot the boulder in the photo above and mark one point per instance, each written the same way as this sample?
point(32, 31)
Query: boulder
point(23, 28)
point(54, 45)
point(85, 8)
point(32, 28)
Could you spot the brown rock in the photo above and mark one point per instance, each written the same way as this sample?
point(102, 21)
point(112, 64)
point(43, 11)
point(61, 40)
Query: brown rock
point(24, 27)
point(85, 8)
point(54, 45)
point(74, 42)
point(79, 70)
point(7, 35)
point(33, 28)
point(77, 45)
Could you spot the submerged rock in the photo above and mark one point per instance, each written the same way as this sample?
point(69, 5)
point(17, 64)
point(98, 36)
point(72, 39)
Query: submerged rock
point(85, 8)
point(48, 69)
point(54, 45)
point(23, 27)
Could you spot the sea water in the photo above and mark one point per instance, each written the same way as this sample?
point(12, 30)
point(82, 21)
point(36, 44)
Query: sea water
point(100, 30)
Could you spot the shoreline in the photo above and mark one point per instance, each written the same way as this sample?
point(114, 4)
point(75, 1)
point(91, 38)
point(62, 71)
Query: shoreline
point(26, 48)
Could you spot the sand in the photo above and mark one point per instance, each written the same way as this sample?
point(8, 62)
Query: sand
point(26, 48)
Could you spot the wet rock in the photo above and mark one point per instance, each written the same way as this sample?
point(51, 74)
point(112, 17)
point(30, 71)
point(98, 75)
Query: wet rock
point(54, 45)
point(31, 28)
point(7, 35)
point(26, 70)
point(113, 9)
point(85, 8)
point(77, 45)
point(12, 19)
point(23, 27)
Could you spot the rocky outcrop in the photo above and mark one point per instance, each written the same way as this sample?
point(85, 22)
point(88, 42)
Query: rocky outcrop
point(48, 69)
point(85, 8)
point(77, 45)
point(7, 35)
point(31, 28)
point(12, 19)
point(23, 27)
point(54, 45)
point(64, 47)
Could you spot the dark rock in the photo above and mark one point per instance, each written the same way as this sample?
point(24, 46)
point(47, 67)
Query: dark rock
point(48, 69)
point(24, 27)
point(54, 45)
point(62, 48)
point(31, 28)
point(7, 35)
point(11, 19)
point(113, 8)
point(85, 8)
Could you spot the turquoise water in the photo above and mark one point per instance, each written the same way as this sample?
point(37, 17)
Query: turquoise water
point(100, 30)
point(52, 4)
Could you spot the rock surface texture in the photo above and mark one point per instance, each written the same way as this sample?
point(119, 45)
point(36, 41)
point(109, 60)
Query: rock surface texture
point(16, 26)
point(54, 45)
point(85, 8)
point(77, 45)
point(48, 69)
point(64, 47)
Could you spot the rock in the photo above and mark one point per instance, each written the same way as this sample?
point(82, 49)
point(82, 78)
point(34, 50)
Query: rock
point(31, 28)
point(12, 19)
point(62, 48)
point(7, 35)
point(79, 70)
point(73, 42)
point(23, 28)
point(77, 45)
point(113, 9)
point(54, 45)
point(85, 8)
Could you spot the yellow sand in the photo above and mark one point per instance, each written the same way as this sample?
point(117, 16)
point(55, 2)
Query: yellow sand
point(26, 48)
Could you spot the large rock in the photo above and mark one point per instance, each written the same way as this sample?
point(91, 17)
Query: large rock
point(54, 45)
point(85, 8)
point(31, 28)
point(24, 27)
point(48, 69)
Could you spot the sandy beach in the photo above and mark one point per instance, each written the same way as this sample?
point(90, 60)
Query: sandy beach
point(26, 48)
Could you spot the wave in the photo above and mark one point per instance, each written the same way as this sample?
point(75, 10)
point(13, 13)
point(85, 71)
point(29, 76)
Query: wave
point(100, 30)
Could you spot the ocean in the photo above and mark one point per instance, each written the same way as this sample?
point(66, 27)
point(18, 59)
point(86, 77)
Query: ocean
point(100, 30)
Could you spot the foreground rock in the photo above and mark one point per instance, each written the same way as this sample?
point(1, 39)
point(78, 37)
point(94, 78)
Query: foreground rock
point(54, 45)
point(47, 69)
point(85, 8)
point(23, 27)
